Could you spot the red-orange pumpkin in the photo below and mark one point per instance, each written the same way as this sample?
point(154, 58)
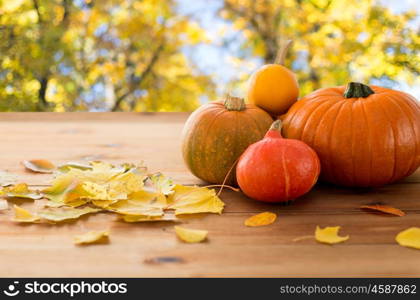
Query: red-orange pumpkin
point(364, 136)
point(217, 133)
point(277, 169)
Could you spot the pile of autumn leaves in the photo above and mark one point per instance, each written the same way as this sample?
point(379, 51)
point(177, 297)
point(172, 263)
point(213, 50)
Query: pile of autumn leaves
point(126, 190)
point(135, 196)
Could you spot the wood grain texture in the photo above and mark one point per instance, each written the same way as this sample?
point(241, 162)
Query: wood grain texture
point(139, 250)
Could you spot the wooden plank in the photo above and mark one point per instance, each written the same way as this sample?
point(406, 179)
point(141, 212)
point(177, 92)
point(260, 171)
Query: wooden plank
point(232, 249)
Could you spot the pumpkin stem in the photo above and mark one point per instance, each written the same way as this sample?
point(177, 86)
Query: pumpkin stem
point(275, 130)
point(276, 125)
point(223, 186)
point(281, 54)
point(227, 176)
point(357, 90)
point(235, 103)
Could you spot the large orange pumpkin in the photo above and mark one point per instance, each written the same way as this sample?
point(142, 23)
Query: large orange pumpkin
point(364, 136)
point(217, 133)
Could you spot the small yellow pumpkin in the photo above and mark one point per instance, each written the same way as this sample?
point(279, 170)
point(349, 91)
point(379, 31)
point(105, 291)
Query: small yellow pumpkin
point(274, 87)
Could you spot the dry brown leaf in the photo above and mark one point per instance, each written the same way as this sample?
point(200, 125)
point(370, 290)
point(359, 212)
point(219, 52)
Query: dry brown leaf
point(39, 165)
point(409, 238)
point(384, 209)
point(329, 235)
point(262, 219)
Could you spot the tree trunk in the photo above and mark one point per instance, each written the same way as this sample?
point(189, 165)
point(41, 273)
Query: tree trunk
point(42, 101)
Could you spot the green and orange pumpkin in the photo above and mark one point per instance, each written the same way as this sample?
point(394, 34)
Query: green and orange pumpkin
point(217, 133)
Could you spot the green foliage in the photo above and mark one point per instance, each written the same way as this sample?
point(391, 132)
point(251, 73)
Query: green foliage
point(65, 55)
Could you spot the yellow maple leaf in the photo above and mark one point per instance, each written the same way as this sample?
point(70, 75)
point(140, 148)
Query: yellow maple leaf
point(91, 237)
point(409, 238)
point(160, 183)
point(128, 182)
point(102, 192)
point(329, 235)
point(262, 219)
point(65, 189)
point(21, 190)
point(194, 199)
point(103, 203)
point(141, 203)
point(102, 181)
point(65, 213)
point(102, 173)
point(23, 215)
point(191, 235)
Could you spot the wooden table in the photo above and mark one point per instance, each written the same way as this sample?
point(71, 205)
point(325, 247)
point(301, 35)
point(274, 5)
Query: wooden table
point(232, 248)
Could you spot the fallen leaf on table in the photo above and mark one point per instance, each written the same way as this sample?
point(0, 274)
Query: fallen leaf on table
point(53, 204)
point(103, 182)
point(91, 237)
point(262, 219)
point(39, 165)
point(384, 209)
point(21, 190)
point(24, 216)
point(101, 192)
point(65, 213)
point(7, 178)
point(65, 189)
point(194, 199)
point(4, 205)
point(134, 219)
point(190, 235)
point(104, 204)
point(125, 189)
point(160, 184)
point(117, 188)
point(141, 203)
point(74, 165)
point(329, 235)
point(409, 238)
point(103, 173)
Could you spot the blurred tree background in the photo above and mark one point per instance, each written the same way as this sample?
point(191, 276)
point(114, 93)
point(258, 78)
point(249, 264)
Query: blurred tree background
point(172, 55)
